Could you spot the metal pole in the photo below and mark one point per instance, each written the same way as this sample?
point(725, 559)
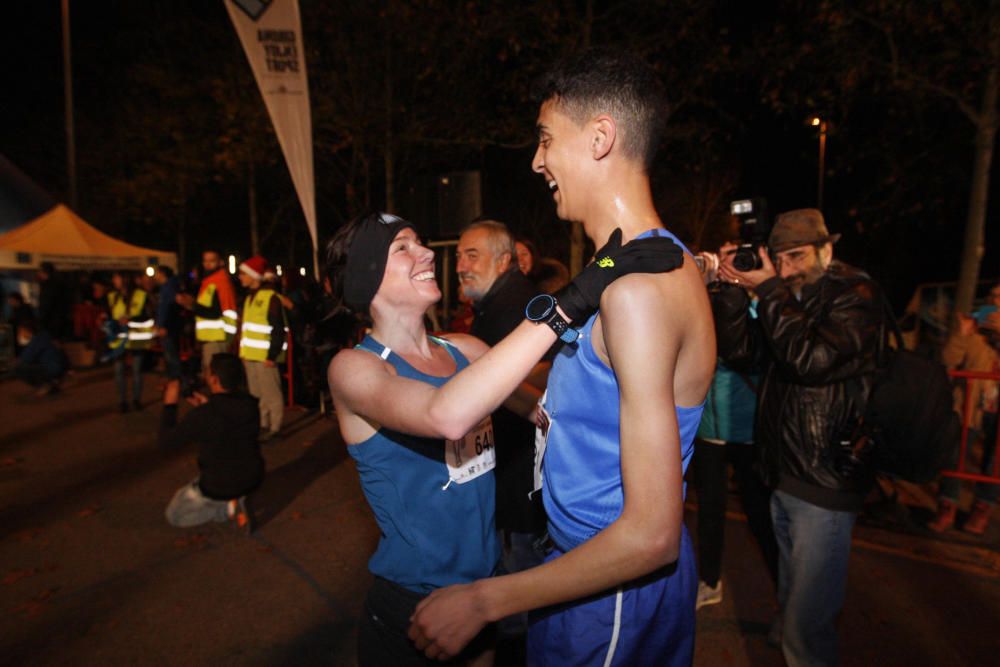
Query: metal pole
point(68, 88)
point(822, 160)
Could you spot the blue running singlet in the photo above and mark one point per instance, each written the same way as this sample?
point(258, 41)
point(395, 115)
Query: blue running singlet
point(434, 508)
point(650, 621)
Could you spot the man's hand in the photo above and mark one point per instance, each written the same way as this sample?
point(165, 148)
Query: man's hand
point(161, 332)
point(747, 279)
point(185, 300)
point(966, 325)
point(268, 363)
point(447, 620)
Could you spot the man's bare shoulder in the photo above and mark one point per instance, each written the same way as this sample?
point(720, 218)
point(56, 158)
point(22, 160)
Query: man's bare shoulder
point(658, 292)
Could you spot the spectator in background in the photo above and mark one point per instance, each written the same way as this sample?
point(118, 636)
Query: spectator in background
point(974, 349)
point(19, 312)
point(214, 309)
point(816, 335)
point(500, 292)
point(53, 301)
point(225, 427)
point(41, 363)
point(169, 323)
point(528, 259)
point(263, 344)
point(131, 307)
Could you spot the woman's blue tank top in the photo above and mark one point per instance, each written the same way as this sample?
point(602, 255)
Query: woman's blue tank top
point(434, 533)
point(581, 481)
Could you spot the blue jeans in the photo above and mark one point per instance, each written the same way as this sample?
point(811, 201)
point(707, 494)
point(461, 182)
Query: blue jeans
point(813, 549)
point(988, 493)
point(138, 357)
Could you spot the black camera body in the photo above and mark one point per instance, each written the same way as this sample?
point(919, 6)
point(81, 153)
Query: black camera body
point(755, 227)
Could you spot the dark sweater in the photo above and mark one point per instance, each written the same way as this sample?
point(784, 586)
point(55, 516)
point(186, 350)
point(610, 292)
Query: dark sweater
point(226, 430)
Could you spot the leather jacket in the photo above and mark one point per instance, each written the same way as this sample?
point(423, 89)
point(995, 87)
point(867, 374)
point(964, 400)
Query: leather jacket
point(817, 355)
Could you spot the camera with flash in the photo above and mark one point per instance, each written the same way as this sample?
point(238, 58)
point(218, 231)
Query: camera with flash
point(755, 227)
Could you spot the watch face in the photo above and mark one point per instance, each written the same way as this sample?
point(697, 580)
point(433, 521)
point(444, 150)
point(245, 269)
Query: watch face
point(540, 307)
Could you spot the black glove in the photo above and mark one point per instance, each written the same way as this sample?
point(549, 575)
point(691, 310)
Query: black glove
point(655, 254)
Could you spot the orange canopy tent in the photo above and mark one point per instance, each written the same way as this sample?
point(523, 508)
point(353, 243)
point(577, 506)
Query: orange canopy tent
point(60, 236)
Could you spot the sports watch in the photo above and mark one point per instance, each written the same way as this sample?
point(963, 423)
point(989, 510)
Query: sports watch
point(542, 308)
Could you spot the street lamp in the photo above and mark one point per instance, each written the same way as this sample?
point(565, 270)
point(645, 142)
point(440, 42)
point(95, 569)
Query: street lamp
point(816, 121)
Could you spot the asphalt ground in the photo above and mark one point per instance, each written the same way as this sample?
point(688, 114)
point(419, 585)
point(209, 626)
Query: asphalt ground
point(92, 574)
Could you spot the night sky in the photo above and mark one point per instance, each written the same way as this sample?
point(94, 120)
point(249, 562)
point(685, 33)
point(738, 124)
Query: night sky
point(898, 163)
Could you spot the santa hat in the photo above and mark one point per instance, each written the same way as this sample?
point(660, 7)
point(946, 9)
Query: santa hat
point(255, 267)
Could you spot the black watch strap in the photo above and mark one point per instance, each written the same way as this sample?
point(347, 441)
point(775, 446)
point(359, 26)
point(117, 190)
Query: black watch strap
point(542, 308)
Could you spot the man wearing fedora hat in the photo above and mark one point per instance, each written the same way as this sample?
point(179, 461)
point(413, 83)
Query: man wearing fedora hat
point(817, 334)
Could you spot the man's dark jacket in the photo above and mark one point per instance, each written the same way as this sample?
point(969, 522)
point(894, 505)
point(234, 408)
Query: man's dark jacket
point(497, 314)
point(226, 430)
point(818, 356)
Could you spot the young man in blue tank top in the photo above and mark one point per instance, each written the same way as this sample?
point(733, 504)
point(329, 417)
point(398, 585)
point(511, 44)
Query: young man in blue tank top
point(622, 408)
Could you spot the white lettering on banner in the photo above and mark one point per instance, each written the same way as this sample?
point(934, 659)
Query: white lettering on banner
point(541, 440)
point(471, 456)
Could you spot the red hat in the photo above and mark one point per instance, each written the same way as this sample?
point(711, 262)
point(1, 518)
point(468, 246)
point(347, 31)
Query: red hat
point(255, 267)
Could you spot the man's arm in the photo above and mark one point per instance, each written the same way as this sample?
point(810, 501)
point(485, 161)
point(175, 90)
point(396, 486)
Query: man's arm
point(834, 347)
point(643, 344)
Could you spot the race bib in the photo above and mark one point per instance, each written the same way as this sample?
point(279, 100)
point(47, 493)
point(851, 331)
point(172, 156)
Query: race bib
point(472, 455)
point(541, 439)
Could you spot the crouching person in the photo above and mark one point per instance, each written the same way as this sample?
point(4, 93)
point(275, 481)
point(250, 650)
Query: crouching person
point(41, 363)
point(225, 426)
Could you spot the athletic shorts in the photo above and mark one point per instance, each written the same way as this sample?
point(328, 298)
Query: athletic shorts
point(649, 621)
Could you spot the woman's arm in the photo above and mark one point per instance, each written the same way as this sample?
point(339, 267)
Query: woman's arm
point(362, 383)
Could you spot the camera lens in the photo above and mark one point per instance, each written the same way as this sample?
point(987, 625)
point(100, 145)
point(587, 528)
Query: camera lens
point(745, 259)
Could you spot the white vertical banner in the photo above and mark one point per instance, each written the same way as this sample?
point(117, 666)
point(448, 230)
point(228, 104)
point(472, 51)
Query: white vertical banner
point(271, 34)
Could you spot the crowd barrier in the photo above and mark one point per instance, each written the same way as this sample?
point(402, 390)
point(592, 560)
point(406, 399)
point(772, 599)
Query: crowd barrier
point(959, 472)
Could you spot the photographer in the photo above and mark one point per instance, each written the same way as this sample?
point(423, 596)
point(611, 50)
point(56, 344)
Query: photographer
point(817, 335)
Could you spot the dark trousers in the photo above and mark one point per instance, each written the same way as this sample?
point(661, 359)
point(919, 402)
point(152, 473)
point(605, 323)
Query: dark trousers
point(712, 484)
point(385, 621)
point(35, 374)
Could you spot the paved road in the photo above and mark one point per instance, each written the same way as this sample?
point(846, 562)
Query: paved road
point(91, 573)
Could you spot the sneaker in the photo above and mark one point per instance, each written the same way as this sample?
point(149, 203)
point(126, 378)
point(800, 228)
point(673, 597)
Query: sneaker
point(945, 517)
point(241, 515)
point(978, 519)
point(708, 595)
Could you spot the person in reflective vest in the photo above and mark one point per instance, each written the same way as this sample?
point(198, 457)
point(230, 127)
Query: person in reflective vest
point(131, 307)
point(214, 309)
point(263, 341)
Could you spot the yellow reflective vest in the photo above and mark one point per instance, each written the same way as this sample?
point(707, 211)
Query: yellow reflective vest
point(213, 330)
point(140, 327)
point(255, 333)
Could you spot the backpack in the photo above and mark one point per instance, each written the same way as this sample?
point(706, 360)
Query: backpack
point(909, 416)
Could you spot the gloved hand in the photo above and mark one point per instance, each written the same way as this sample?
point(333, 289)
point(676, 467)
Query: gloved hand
point(655, 254)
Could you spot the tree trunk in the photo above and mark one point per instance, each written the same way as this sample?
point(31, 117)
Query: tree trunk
point(390, 158)
point(252, 203)
point(975, 223)
point(576, 234)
